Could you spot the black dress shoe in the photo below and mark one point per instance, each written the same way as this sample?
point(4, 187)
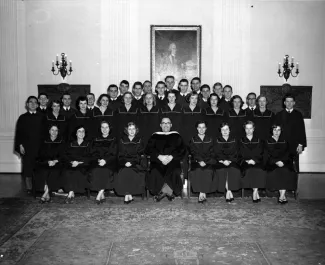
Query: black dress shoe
point(170, 197)
point(126, 202)
point(258, 200)
point(42, 200)
point(200, 201)
point(228, 200)
point(159, 197)
point(255, 201)
point(231, 199)
point(284, 201)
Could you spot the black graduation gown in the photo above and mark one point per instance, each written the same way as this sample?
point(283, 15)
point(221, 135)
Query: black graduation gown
point(175, 115)
point(43, 111)
point(263, 122)
point(279, 178)
point(182, 100)
point(214, 120)
point(29, 133)
point(203, 104)
point(202, 178)
point(109, 115)
point(102, 177)
point(92, 110)
point(68, 113)
point(188, 122)
point(115, 104)
point(224, 105)
point(76, 178)
point(138, 103)
point(254, 175)
point(236, 122)
point(148, 122)
point(131, 180)
point(80, 119)
point(45, 174)
point(165, 144)
point(161, 102)
point(227, 150)
point(60, 121)
point(125, 116)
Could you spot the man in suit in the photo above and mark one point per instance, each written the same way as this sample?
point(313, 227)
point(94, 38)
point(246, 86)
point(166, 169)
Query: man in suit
point(91, 103)
point(170, 83)
point(67, 110)
point(124, 87)
point(251, 103)
point(114, 100)
point(137, 90)
point(205, 95)
point(225, 102)
point(43, 100)
point(218, 89)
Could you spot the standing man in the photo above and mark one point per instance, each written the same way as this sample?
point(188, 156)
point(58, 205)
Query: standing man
point(182, 98)
point(225, 103)
point(293, 126)
point(147, 87)
point(170, 83)
point(251, 104)
point(114, 101)
point(67, 110)
point(28, 138)
point(91, 103)
point(124, 87)
point(218, 89)
point(161, 99)
point(196, 84)
point(137, 90)
point(43, 100)
point(204, 100)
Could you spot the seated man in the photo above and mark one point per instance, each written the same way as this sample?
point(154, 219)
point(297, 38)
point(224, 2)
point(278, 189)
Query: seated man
point(166, 150)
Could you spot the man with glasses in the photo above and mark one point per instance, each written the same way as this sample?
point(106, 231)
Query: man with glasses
point(251, 103)
point(166, 150)
point(28, 138)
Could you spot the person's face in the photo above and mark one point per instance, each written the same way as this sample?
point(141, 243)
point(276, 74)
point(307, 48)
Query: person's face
point(124, 88)
point(147, 87)
point(161, 89)
point(171, 98)
point(227, 92)
point(137, 90)
point(112, 92)
point(81, 134)
point(206, 92)
point(83, 105)
point(132, 131)
point(56, 108)
point(214, 101)
point(201, 128)
point(91, 100)
point(193, 100)
point(225, 131)
point(127, 99)
point(173, 49)
point(183, 86)
point(249, 129)
point(237, 103)
point(104, 128)
point(32, 104)
point(218, 90)
point(66, 100)
point(277, 131)
point(54, 132)
point(251, 100)
point(149, 99)
point(166, 125)
point(195, 85)
point(104, 102)
point(262, 102)
point(170, 82)
point(289, 103)
point(43, 100)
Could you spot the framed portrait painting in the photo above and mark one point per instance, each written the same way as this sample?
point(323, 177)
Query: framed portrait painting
point(176, 51)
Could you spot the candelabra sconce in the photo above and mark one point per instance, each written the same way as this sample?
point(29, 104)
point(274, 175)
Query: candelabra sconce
point(288, 68)
point(62, 66)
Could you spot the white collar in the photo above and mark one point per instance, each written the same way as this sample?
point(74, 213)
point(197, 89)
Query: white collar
point(251, 107)
point(183, 94)
point(289, 110)
point(42, 108)
point(165, 133)
point(228, 100)
point(137, 98)
point(161, 96)
point(32, 112)
point(66, 108)
point(91, 108)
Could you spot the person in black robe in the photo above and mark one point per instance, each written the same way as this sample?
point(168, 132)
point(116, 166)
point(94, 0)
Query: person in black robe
point(293, 126)
point(103, 113)
point(214, 116)
point(218, 90)
point(166, 150)
point(173, 111)
point(66, 109)
point(76, 165)
point(126, 113)
point(137, 91)
point(204, 99)
point(91, 103)
point(103, 151)
point(250, 104)
point(237, 117)
point(82, 117)
point(280, 173)
point(161, 99)
point(130, 179)
point(114, 101)
point(252, 151)
point(228, 172)
point(202, 174)
point(55, 117)
point(28, 139)
point(225, 102)
point(43, 100)
point(182, 97)
point(148, 117)
point(147, 87)
point(124, 87)
point(170, 83)
point(49, 164)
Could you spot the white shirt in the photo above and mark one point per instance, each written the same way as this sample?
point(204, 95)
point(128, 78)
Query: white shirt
point(32, 112)
point(66, 108)
point(289, 110)
point(161, 97)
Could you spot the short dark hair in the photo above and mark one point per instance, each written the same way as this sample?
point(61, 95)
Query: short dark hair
point(183, 80)
point(138, 83)
point(205, 86)
point(74, 133)
point(131, 124)
point(125, 82)
point(249, 123)
point(196, 78)
point(31, 97)
point(200, 122)
point(65, 94)
point(193, 93)
point(56, 102)
point(217, 84)
point(169, 76)
point(251, 93)
point(275, 125)
point(226, 87)
point(90, 94)
point(81, 98)
point(235, 97)
point(49, 127)
point(213, 95)
point(110, 86)
point(147, 81)
point(43, 94)
point(223, 125)
point(160, 83)
point(100, 98)
point(289, 95)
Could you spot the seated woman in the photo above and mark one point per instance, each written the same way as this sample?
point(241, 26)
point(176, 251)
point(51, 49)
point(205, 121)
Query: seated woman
point(201, 149)
point(131, 176)
point(49, 164)
point(76, 158)
point(166, 150)
point(281, 175)
point(228, 172)
point(103, 155)
point(251, 152)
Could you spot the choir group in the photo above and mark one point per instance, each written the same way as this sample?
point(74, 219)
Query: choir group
point(110, 147)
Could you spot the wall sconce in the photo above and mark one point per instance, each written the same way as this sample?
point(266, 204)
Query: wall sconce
point(288, 68)
point(62, 66)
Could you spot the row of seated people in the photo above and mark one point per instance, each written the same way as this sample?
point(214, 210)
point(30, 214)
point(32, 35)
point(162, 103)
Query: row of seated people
point(220, 163)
